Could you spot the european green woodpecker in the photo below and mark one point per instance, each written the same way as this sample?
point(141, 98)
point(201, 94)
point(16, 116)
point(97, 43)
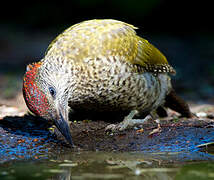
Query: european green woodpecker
point(97, 65)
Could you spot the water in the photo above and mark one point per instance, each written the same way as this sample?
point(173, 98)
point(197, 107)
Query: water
point(103, 165)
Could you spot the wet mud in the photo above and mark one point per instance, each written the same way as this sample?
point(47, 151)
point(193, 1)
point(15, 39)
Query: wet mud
point(29, 137)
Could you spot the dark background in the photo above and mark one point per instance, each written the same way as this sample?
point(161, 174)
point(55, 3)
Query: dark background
point(155, 16)
point(182, 30)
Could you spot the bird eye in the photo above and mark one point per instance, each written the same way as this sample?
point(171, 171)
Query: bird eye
point(52, 91)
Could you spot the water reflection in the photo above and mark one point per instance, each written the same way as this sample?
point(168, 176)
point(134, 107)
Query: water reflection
point(103, 165)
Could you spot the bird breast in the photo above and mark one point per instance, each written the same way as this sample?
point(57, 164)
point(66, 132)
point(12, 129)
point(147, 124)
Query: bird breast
point(112, 84)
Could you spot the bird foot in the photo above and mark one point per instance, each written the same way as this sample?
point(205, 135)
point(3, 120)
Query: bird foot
point(128, 122)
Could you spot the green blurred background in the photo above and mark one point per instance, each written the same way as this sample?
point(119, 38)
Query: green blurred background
point(182, 30)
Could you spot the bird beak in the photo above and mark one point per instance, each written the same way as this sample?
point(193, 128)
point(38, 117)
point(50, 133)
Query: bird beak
point(61, 123)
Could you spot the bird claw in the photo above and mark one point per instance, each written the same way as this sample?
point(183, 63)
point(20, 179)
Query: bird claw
point(127, 122)
point(117, 127)
point(111, 127)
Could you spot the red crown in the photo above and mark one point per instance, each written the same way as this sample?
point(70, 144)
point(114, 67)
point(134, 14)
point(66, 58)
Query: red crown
point(34, 97)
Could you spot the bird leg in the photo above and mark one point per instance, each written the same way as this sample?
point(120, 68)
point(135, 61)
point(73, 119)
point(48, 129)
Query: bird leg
point(128, 122)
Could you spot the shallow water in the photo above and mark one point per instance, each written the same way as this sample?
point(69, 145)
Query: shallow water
point(103, 165)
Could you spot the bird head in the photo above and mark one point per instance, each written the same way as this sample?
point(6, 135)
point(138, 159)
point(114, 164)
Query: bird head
point(46, 97)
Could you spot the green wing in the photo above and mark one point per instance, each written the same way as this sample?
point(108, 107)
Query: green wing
point(103, 38)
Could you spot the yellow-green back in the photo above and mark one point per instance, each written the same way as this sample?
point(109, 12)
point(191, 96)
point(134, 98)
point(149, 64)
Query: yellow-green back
point(98, 38)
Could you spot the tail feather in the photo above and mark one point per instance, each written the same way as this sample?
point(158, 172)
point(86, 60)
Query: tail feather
point(176, 103)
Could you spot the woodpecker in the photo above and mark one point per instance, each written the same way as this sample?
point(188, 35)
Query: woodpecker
point(97, 65)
